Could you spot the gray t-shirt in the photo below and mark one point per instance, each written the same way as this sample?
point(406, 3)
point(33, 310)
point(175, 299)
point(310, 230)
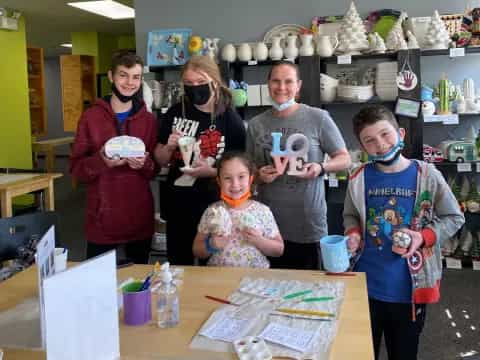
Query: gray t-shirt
point(298, 204)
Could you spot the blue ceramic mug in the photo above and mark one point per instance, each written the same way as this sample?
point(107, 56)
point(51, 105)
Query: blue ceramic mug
point(335, 254)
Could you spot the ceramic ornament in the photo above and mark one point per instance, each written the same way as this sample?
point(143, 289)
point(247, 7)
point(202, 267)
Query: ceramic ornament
point(412, 42)
point(401, 242)
point(247, 220)
point(121, 147)
point(437, 36)
point(295, 157)
point(428, 108)
point(186, 145)
point(407, 80)
point(252, 348)
point(229, 53)
point(395, 39)
point(352, 35)
point(221, 223)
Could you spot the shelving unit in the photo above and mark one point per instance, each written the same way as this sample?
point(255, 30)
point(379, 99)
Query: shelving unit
point(36, 91)
point(78, 87)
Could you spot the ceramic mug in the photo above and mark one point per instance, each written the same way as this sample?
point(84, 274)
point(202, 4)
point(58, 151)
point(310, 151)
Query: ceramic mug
point(335, 254)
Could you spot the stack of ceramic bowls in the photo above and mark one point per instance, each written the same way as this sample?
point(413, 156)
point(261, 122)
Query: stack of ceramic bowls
point(385, 81)
point(355, 93)
point(328, 88)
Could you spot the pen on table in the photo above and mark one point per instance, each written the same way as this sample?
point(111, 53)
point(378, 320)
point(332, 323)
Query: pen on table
point(146, 283)
point(321, 298)
point(296, 294)
point(223, 301)
point(305, 312)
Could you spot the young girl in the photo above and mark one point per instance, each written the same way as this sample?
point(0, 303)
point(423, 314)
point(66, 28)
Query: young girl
point(248, 232)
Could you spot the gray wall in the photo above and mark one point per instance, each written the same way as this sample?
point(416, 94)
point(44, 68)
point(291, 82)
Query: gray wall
point(54, 103)
point(248, 20)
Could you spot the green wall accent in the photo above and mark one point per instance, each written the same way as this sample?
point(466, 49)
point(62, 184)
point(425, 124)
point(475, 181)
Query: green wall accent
point(126, 42)
point(85, 43)
point(15, 132)
point(107, 44)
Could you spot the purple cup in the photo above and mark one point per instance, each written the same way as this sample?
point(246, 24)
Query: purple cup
point(137, 308)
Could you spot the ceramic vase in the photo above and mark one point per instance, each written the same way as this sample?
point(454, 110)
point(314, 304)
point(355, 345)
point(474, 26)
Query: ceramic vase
point(276, 51)
point(244, 52)
point(325, 47)
point(261, 52)
point(229, 53)
point(291, 50)
point(306, 49)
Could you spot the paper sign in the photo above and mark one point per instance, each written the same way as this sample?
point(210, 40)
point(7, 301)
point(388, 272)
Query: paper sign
point(45, 260)
point(464, 167)
point(450, 119)
point(478, 167)
point(454, 263)
point(294, 338)
point(81, 311)
point(457, 52)
point(253, 62)
point(344, 59)
point(333, 182)
point(476, 265)
point(432, 119)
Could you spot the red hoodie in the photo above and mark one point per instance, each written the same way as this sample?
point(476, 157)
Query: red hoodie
point(119, 201)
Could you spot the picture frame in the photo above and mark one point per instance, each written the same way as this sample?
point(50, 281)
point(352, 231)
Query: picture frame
point(168, 47)
point(407, 107)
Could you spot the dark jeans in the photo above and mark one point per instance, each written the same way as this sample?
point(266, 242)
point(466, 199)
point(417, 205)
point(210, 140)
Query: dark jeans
point(135, 251)
point(394, 321)
point(298, 256)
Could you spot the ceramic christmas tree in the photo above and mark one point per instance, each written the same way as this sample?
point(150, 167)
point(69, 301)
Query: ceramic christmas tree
point(395, 39)
point(377, 45)
point(352, 34)
point(437, 36)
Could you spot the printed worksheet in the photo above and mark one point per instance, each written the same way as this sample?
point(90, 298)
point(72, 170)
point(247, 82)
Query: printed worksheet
point(226, 329)
point(293, 338)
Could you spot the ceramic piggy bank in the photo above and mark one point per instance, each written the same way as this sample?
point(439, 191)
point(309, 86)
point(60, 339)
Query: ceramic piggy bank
point(401, 242)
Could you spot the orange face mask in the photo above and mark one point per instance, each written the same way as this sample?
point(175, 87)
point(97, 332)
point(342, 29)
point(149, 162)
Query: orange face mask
point(235, 202)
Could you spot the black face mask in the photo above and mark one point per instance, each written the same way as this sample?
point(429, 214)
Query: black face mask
point(198, 94)
point(124, 98)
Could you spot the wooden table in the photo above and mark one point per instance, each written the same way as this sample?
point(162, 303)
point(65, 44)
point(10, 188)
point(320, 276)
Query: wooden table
point(48, 147)
point(12, 185)
point(353, 340)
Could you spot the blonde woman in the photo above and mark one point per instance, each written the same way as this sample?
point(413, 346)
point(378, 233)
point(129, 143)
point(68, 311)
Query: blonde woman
point(205, 114)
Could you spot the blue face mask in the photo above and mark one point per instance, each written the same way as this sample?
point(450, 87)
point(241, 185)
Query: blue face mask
point(390, 157)
point(284, 106)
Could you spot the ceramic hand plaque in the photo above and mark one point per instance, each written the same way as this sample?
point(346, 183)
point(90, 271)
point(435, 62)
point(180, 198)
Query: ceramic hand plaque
point(124, 146)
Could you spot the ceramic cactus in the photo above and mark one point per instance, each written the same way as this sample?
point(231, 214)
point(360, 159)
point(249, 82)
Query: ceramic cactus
point(444, 95)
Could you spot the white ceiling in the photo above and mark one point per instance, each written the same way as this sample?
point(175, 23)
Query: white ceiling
point(50, 22)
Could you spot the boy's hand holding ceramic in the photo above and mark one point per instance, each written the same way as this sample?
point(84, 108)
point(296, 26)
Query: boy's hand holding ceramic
point(353, 242)
point(137, 163)
point(111, 163)
point(417, 242)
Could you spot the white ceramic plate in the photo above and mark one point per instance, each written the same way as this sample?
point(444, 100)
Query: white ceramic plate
point(283, 31)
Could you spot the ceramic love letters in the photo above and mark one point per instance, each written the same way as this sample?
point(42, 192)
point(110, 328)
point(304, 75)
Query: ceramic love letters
point(294, 158)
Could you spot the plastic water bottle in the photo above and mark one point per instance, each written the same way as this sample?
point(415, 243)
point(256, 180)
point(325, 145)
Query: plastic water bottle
point(168, 307)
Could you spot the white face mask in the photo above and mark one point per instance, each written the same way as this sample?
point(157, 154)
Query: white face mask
point(284, 106)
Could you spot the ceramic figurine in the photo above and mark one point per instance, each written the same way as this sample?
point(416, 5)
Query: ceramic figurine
point(276, 51)
point(437, 36)
point(244, 52)
point(377, 45)
point(221, 223)
point(186, 144)
point(401, 242)
point(306, 49)
point(352, 35)
point(325, 48)
point(291, 51)
point(428, 108)
point(261, 52)
point(229, 53)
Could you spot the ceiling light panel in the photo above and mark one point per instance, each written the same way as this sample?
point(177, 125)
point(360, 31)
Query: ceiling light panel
point(107, 8)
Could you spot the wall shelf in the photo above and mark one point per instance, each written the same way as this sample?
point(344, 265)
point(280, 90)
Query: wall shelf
point(36, 91)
